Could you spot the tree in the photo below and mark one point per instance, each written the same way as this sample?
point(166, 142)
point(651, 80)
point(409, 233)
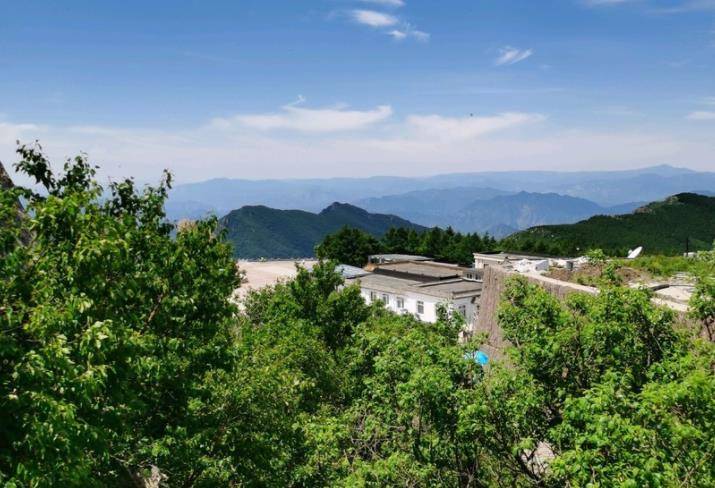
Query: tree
point(626, 398)
point(348, 246)
point(111, 330)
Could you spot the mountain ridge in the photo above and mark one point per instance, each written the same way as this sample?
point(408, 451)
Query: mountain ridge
point(668, 226)
point(258, 231)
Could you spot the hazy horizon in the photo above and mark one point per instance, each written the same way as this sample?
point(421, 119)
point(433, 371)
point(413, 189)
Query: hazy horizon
point(350, 88)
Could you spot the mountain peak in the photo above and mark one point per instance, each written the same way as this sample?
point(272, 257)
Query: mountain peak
point(342, 207)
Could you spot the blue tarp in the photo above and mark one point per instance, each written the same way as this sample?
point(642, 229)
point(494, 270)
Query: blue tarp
point(478, 357)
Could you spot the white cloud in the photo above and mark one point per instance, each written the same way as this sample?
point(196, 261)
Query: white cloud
point(386, 3)
point(709, 100)
point(701, 115)
point(416, 145)
point(9, 133)
point(456, 128)
point(373, 18)
point(398, 35)
point(511, 55)
point(407, 31)
point(296, 118)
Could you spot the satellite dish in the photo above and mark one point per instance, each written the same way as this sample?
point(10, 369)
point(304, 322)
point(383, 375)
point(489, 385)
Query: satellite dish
point(635, 252)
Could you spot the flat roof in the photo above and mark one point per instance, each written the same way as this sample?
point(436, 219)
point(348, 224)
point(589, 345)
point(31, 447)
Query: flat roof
point(456, 287)
point(422, 268)
point(451, 289)
point(399, 257)
point(511, 256)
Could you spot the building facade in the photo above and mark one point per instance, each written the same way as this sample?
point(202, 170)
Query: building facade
point(419, 288)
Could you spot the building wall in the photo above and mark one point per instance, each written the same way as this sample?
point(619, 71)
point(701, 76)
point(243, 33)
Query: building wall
point(494, 280)
point(430, 304)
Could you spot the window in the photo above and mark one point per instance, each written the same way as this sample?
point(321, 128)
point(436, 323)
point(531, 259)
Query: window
point(462, 310)
point(400, 303)
point(373, 296)
point(420, 307)
point(385, 298)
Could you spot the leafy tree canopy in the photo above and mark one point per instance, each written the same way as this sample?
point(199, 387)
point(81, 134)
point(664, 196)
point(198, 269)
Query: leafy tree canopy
point(123, 358)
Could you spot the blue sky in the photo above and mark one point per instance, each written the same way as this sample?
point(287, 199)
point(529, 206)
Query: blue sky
point(265, 89)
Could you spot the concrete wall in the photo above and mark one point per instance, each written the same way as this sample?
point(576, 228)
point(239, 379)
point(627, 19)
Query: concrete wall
point(494, 278)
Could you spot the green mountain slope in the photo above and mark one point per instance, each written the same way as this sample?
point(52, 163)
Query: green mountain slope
point(263, 232)
point(660, 227)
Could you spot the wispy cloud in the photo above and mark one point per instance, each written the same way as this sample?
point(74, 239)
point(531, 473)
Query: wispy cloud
point(386, 3)
point(312, 120)
point(511, 55)
point(701, 115)
point(417, 145)
point(373, 19)
point(407, 31)
point(391, 25)
point(709, 100)
point(456, 128)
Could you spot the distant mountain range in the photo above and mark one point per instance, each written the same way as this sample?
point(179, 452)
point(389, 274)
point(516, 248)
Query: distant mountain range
point(606, 188)
point(660, 227)
point(488, 210)
point(495, 202)
point(262, 232)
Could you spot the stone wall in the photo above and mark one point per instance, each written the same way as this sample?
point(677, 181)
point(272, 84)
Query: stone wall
point(494, 279)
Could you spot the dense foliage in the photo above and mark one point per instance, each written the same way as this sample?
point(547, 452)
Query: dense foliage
point(262, 232)
point(352, 246)
point(123, 359)
point(682, 222)
point(112, 331)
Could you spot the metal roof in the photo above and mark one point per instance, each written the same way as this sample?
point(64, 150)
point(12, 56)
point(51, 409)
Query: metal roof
point(348, 271)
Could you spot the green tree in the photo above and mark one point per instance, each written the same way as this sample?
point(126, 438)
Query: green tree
point(111, 330)
point(348, 246)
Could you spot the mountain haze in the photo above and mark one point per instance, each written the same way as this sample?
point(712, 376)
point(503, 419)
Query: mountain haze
point(488, 210)
point(606, 188)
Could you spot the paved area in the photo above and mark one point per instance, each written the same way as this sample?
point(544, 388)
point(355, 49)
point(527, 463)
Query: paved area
point(262, 273)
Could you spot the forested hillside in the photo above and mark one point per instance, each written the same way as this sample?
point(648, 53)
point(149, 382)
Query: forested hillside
point(262, 232)
point(664, 227)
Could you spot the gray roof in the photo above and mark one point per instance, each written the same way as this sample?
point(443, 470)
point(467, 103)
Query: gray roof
point(348, 271)
point(508, 255)
point(398, 257)
point(449, 289)
point(422, 269)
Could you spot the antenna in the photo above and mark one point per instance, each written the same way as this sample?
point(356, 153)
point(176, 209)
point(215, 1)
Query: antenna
point(634, 253)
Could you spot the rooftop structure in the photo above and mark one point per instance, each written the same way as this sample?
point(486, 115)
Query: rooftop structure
point(421, 298)
point(447, 290)
point(423, 270)
point(347, 271)
point(394, 258)
point(483, 259)
point(524, 263)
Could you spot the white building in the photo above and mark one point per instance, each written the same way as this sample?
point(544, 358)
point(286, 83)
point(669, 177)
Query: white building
point(418, 288)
